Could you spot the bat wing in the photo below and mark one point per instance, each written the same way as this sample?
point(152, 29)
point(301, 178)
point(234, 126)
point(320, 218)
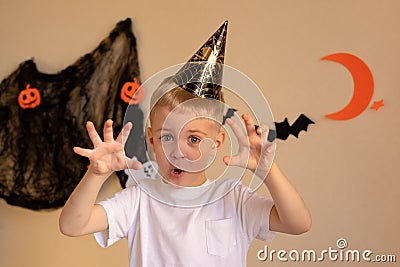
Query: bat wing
point(229, 114)
point(301, 124)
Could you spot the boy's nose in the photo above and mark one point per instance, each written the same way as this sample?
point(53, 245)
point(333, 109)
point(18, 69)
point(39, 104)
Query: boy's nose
point(176, 152)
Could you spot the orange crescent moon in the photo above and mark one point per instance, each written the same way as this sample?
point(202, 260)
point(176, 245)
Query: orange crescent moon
point(363, 86)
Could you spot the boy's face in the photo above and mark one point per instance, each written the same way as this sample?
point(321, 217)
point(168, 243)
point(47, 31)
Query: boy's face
point(184, 145)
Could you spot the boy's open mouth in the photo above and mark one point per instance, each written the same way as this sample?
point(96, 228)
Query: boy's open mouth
point(176, 173)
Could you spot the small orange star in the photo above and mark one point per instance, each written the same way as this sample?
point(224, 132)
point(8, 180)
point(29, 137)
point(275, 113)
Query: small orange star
point(377, 104)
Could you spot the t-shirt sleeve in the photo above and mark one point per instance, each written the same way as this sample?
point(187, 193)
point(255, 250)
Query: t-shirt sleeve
point(121, 210)
point(254, 211)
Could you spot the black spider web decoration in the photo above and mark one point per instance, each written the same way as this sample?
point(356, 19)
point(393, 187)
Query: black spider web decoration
point(38, 168)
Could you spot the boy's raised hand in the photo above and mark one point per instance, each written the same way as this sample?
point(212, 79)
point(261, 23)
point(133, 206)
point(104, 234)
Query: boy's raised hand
point(107, 156)
point(255, 151)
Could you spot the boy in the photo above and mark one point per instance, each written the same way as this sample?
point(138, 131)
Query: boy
point(217, 233)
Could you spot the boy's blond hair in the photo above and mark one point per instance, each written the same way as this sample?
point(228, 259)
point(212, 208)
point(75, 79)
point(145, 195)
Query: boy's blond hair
point(170, 95)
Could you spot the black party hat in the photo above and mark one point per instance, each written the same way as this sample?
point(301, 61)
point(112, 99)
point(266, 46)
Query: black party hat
point(202, 74)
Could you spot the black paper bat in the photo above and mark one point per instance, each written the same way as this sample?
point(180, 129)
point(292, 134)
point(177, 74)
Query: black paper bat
point(282, 129)
point(38, 168)
point(230, 113)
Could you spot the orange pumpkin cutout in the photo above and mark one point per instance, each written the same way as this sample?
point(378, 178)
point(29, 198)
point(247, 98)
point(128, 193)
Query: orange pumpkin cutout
point(132, 93)
point(29, 97)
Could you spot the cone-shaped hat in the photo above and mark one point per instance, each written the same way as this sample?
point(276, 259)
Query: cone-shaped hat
point(202, 74)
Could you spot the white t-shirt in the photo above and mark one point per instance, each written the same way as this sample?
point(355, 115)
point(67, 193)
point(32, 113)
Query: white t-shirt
point(159, 234)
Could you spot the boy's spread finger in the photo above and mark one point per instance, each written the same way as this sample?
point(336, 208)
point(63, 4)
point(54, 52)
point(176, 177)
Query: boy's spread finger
point(134, 164)
point(123, 135)
point(264, 129)
point(235, 128)
point(248, 121)
point(83, 151)
point(231, 160)
point(271, 133)
point(93, 135)
point(108, 131)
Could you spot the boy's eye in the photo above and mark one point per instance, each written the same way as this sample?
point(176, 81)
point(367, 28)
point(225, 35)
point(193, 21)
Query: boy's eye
point(193, 139)
point(167, 138)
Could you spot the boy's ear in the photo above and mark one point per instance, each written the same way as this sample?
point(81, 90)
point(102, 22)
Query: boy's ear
point(220, 139)
point(150, 136)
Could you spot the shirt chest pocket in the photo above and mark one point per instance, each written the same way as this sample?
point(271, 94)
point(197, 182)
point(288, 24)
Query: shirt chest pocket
point(220, 236)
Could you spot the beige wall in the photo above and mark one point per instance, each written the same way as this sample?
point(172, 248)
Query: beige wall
point(347, 171)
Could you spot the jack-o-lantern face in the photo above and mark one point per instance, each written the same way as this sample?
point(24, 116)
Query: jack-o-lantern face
point(132, 93)
point(29, 97)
